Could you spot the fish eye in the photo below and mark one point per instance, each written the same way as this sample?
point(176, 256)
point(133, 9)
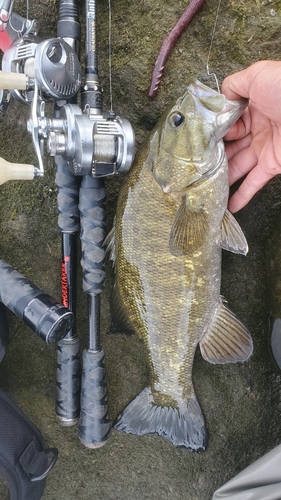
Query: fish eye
point(176, 119)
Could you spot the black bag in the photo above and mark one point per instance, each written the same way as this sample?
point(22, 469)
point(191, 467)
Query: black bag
point(24, 459)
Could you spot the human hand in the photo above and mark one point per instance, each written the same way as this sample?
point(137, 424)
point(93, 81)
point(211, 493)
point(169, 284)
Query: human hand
point(254, 149)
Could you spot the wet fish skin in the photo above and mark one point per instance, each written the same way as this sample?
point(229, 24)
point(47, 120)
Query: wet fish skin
point(171, 223)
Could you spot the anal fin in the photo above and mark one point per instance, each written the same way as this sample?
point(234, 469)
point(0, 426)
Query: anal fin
point(228, 340)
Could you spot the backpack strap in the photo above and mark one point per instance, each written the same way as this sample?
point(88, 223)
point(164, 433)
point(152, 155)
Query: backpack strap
point(37, 464)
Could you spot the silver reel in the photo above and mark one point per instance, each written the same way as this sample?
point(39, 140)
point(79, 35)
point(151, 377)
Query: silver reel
point(92, 142)
point(98, 145)
point(53, 63)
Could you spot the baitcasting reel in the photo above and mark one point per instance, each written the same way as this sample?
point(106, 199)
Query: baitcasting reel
point(52, 63)
point(93, 142)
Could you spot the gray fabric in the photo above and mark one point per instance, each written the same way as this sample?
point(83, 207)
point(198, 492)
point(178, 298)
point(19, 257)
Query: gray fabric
point(260, 481)
point(4, 331)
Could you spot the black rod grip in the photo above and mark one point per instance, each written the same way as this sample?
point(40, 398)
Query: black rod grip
point(92, 219)
point(68, 382)
point(94, 425)
point(68, 195)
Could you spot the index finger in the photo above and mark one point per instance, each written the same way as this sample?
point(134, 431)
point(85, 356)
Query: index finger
point(255, 180)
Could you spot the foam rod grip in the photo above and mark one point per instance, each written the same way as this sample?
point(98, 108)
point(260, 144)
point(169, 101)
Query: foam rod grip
point(68, 382)
point(94, 425)
point(68, 197)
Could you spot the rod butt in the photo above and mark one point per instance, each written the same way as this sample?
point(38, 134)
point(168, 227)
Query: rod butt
point(94, 425)
point(68, 382)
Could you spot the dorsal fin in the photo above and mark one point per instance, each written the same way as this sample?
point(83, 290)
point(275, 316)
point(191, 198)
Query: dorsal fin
point(228, 340)
point(232, 236)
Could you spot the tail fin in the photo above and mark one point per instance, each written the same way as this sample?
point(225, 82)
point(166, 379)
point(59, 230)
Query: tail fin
point(183, 427)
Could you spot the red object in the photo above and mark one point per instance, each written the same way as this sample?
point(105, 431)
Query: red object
point(5, 40)
point(169, 42)
point(64, 283)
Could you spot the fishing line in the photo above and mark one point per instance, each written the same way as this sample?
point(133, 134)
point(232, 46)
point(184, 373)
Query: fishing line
point(210, 48)
point(109, 54)
point(9, 19)
point(6, 19)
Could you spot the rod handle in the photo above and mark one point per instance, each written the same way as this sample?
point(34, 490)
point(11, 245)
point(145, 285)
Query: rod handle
point(15, 171)
point(68, 382)
point(94, 425)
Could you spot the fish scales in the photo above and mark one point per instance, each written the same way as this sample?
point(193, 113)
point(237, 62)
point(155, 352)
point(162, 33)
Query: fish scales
point(168, 236)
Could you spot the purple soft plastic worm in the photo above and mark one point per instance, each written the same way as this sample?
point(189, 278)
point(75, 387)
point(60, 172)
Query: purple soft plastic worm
point(169, 42)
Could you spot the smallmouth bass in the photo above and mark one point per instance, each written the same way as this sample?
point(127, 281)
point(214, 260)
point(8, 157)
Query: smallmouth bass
point(171, 224)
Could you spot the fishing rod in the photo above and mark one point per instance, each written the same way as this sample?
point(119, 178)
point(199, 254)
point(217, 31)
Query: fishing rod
point(68, 363)
point(91, 145)
point(113, 141)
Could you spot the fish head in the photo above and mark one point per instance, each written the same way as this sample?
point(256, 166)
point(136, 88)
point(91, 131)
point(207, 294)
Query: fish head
point(188, 137)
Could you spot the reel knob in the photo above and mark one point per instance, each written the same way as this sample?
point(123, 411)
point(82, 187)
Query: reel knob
point(15, 171)
point(13, 81)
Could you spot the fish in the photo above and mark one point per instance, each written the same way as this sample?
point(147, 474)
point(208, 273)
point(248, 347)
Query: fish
point(166, 243)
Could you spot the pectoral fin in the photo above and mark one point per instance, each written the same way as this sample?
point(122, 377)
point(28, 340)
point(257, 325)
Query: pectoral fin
point(228, 341)
point(187, 231)
point(232, 236)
